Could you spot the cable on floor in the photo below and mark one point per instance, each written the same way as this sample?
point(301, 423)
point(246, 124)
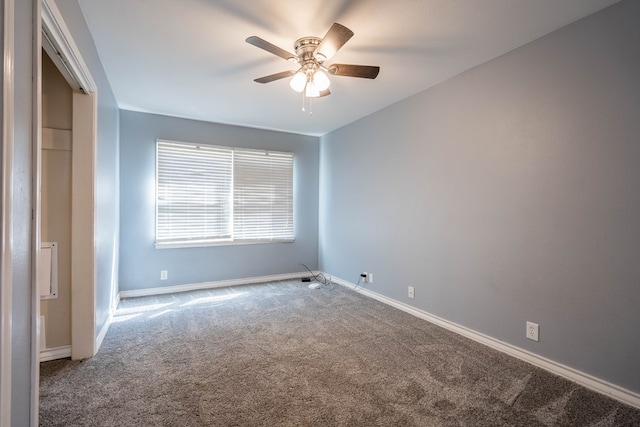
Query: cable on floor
point(325, 281)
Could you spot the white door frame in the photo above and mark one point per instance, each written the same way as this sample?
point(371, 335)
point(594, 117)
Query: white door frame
point(6, 248)
point(35, 220)
point(83, 219)
point(84, 139)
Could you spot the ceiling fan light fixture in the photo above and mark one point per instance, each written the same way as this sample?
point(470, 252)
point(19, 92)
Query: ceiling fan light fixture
point(312, 90)
point(321, 80)
point(298, 81)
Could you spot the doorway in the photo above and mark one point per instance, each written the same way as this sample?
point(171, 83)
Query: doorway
point(60, 48)
point(55, 213)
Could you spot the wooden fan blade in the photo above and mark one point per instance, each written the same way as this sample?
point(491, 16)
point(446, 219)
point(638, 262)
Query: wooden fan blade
point(324, 93)
point(271, 48)
point(349, 70)
point(335, 38)
point(276, 76)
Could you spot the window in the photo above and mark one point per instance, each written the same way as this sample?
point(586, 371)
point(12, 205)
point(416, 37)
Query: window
point(208, 195)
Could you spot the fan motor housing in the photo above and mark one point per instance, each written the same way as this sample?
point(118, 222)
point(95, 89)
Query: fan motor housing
point(305, 48)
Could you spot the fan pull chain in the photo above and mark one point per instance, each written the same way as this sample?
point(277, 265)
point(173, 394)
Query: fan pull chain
point(304, 98)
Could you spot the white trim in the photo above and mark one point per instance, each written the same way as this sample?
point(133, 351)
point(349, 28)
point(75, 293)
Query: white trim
point(211, 285)
point(55, 353)
point(83, 219)
point(67, 51)
point(229, 242)
point(105, 327)
point(36, 219)
point(6, 250)
point(584, 379)
point(114, 305)
point(103, 332)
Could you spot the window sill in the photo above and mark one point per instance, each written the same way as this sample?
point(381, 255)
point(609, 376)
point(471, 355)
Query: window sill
point(174, 245)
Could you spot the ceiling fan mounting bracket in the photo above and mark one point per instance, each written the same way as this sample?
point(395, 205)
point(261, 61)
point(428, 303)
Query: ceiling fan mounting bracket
point(306, 43)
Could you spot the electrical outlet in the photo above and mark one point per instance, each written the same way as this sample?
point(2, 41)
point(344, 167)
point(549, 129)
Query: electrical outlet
point(164, 274)
point(533, 329)
point(412, 292)
point(364, 276)
point(370, 278)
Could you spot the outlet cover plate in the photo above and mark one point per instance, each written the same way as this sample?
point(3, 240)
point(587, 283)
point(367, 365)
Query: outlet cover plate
point(533, 330)
point(412, 292)
point(164, 274)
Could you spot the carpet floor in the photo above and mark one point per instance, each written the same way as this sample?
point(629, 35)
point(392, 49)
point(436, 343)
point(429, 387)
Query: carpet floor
point(280, 354)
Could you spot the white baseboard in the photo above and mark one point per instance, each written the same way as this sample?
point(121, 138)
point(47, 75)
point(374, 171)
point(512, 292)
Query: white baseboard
point(102, 333)
point(114, 304)
point(47, 354)
point(584, 379)
point(211, 285)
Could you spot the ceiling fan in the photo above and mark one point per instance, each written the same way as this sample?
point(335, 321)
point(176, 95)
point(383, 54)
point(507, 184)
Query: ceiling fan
point(310, 54)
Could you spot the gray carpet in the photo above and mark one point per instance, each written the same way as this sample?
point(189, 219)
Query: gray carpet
point(280, 354)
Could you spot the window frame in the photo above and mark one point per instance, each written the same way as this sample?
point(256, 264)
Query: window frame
point(232, 240)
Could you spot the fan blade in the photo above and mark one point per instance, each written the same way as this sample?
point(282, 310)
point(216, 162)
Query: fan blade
point(271, 48)
point(273, 77)
point(349, 70)
point(324, 93)
point(335, 38)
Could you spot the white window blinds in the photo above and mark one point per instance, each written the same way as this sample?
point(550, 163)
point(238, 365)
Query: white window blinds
point(194, 184)
point(262, 195)
point(210, 195)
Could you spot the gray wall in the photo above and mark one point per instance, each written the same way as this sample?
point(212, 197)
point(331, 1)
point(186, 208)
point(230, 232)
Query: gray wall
point(141, 262)
point(107, 165)
point(508, 193)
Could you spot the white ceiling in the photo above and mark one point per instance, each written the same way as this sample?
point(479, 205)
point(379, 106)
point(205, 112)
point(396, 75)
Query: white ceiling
point(188, 58)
